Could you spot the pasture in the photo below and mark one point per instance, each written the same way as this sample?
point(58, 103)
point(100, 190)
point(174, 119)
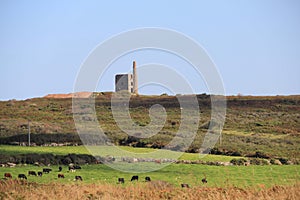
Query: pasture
point(101, 182)
point(116, 151)
point(175, 174)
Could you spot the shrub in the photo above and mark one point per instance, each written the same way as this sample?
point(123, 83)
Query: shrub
point(46, 159)
point(235, 153)
point(258, 161)
point(258, 154)
point(239, 161)
point(283, 161)
point(216, 151)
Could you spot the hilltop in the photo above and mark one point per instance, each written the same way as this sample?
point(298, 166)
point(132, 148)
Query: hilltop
point(265, 124)
point(70, 95)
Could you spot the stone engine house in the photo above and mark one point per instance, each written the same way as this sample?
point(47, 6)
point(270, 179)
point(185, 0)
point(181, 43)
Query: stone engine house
point(127, 82)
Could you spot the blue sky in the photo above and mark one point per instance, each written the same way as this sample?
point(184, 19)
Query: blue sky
point(254, 44)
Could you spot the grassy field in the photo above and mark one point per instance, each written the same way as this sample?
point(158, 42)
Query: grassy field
point(218, 176)
point(112, 151)
point(175, 174)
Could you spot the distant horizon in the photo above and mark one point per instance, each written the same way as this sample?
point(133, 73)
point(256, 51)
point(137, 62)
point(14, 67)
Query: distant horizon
point(174, 95)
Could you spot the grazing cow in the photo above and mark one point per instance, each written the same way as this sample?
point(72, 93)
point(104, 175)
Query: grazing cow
point(147, 179)
point(71, 169)
point(78, 178)
point(40, 173)
point(135, 178)
point(204, 180)
point(7, 175)
point(184, 185)
point(47, 170)
point(77, 167)
point(22, 176)
point(60, 176)
point(59, 168)
point(121, 180)
point(33, 173)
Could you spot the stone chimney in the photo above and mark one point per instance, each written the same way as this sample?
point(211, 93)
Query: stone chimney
point(135, 80)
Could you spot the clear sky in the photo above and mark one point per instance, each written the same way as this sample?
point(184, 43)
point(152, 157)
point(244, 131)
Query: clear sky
point(255, 44)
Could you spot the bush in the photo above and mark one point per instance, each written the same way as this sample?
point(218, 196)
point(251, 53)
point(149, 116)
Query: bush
point(258, 161)
point(46, 159)
point(41, 139)
point(258, 154)
point(216, 151)
point(235, 153)
point(284, 161)
point(239, 161)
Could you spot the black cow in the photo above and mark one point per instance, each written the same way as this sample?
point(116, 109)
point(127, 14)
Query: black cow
point(78, 178)
point(184, 185)
point(121, 180)
point(147, 179)
point(59, 168)
point(135, 178)
point(33, 173)
point(77, 167)
point(22, 176)
point(60, 176)
point(47, 170)
point(40, 173)
point(7, 175)
point(204, 180)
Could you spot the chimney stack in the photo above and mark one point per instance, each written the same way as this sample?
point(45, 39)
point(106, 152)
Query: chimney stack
point(135, 81)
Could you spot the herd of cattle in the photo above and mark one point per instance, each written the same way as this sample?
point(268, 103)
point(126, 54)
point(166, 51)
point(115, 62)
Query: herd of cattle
point(45, 171)
point(73, 168)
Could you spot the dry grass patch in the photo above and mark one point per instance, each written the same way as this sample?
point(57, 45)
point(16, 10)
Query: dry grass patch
point(12, 189)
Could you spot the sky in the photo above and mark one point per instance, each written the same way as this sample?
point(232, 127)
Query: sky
point(255, 44)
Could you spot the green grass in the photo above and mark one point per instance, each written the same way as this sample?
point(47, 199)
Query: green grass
point(11, 150)
point(219, 176)
point(175, 174)
point(117, 151)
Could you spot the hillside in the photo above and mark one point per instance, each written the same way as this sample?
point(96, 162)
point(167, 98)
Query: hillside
point(253, 124)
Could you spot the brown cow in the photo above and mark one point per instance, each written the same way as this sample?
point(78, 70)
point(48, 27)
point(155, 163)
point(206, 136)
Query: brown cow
point(7, 175)
point(60, 176)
